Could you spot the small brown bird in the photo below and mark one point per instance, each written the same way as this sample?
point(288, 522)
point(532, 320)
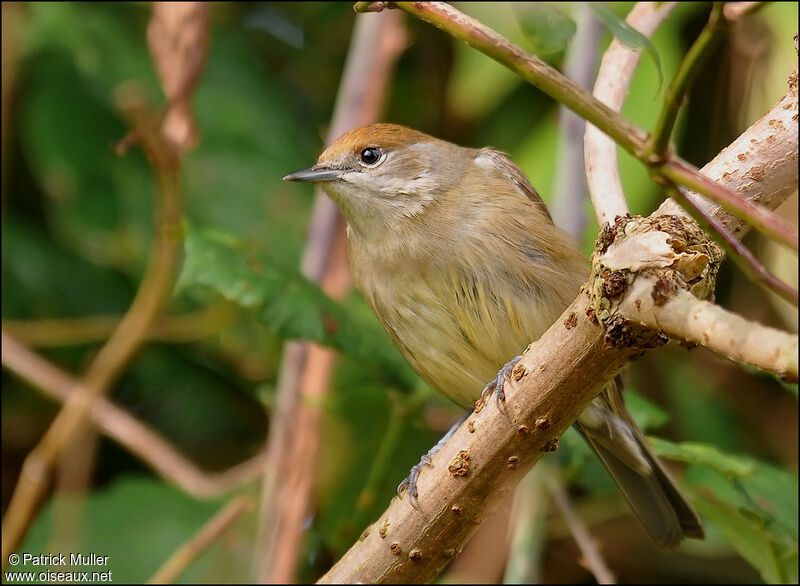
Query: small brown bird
point(457, 255)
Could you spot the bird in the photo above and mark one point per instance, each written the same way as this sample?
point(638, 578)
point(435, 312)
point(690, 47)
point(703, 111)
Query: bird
point(458, 257)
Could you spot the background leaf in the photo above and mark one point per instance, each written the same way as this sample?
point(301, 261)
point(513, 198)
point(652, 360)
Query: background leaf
point(287, 302)
point(627, 35)
point(547, 28)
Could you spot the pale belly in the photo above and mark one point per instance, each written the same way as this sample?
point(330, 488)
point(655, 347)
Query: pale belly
point(455, 336)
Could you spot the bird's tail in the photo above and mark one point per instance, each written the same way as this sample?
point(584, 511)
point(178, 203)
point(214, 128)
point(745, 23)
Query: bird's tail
point(663, 511)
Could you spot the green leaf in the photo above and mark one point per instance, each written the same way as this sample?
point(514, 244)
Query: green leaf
point(138, 523)
point(645, 413)
point(291, 304)
point(287, 302)
point(627, 35)
point(755, 504)
point(708, 455)
point(757, 514)
point(546, 27)
point(775, 561)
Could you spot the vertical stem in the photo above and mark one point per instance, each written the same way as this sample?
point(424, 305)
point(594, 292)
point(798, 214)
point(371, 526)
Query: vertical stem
point(687, 71)
point(293, 442)
point(568, 209)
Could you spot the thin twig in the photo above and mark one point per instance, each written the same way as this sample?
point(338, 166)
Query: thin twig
point(530, 68)
point(76, 331)
point(688, 69)
point(760, 166)
point(151, 297)
point(183, 557)
point(756, 216)
point(126, 430)
point(613, 80)
point(592, 557)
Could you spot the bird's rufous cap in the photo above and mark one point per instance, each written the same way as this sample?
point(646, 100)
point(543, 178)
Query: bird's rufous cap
point(381, 135)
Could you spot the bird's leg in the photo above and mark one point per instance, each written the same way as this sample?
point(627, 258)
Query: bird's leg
point(497, 384)
point(410, 483)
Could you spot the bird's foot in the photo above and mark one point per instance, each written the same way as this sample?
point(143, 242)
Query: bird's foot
point(496, 386)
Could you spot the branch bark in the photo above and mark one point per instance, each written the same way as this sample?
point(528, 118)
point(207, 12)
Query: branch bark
point(684, 317)
point(488, 455)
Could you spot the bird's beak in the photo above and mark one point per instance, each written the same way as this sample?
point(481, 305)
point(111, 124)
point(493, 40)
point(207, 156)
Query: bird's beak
point(314, 174)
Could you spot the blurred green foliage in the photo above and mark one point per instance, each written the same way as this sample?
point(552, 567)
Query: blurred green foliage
point(76, 230)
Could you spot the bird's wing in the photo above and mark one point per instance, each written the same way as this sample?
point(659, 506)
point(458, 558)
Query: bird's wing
point(513, 173)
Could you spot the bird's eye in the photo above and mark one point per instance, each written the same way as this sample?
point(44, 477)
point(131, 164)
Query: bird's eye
point(371, 156)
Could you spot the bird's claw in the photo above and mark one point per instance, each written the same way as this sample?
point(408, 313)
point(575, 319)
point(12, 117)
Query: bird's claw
point(410, 482)
point(409, 485)
point(496, 386)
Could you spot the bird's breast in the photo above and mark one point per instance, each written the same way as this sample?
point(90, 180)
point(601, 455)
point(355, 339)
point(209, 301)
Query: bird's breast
point(456, 321)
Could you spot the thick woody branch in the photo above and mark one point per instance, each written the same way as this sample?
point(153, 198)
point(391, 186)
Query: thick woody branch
point(657, 273)
point(683, 316)
point(735, 250)
point(557, 377)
